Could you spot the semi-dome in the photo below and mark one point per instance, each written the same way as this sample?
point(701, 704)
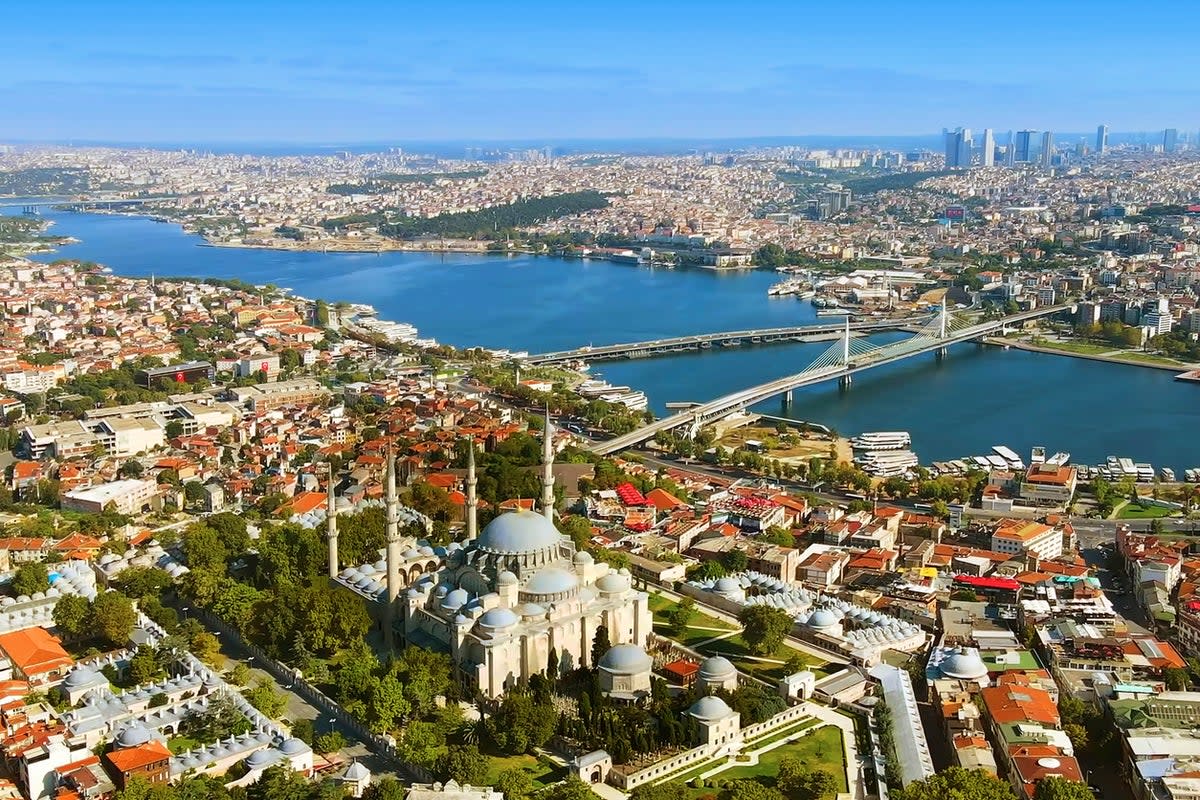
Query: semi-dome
point(626, 659)
point(532, 610)
point(518, 532)
point(716, 668)
point(822, 618)
point(552, 580)
point(965, 664)
point(134, 735)
point(710, 709)
point(498, 618)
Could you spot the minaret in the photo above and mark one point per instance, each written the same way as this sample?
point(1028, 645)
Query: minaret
point(472, 500)
point(393, 549)
point(331, 531)
point(548, 469)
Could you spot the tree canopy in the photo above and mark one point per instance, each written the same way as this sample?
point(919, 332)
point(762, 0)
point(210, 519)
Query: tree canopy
point(957, 783)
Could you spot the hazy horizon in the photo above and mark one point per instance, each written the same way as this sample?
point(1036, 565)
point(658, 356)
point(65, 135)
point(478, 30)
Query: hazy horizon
point(303, 72)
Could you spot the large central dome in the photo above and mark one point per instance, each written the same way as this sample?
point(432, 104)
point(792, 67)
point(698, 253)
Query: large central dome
point(518, 532)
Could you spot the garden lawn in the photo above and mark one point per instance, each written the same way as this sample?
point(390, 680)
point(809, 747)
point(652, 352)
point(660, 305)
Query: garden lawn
point(820, 749)
point(701, 626)
point(179, 744)
point(1138, 511)
point(735, 649)
point(542, 774)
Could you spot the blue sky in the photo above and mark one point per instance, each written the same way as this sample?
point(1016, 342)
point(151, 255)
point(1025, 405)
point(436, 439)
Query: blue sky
point(259, 70)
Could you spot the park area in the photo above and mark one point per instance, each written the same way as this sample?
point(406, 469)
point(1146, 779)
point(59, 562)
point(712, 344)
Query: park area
point(711, 636)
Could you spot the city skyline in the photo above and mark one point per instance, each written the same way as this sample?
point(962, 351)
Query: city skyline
point(276, 74)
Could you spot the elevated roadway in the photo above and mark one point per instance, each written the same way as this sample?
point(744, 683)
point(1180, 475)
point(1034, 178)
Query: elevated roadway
point(680, 344)
point(846, 365)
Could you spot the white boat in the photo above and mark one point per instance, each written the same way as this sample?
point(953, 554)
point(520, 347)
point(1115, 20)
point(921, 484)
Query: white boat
point(999, 462)
point(1037, 455)
point(1127, 466)
point(1167, 474)
point(1012, 460)
point(807, 294)
point(1059, 459)
point(982, 461)
point(1189, 475)
point(634, 400)
point(1145, 472)
point(882, 440)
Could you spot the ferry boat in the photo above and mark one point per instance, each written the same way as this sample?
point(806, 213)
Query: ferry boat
point(1127, 466)
point(783, 288)
point(888, 464)
point(1145, 472)
point(1189, 475)
point(807, 294)
point(833, 312)
point(597, 388)
point(882, 440)
point(1167, 474)
point(634, 400)
point(1037, 455)
point(1059, 459)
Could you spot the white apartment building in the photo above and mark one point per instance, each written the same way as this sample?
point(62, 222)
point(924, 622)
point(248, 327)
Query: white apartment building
point(1026, 538)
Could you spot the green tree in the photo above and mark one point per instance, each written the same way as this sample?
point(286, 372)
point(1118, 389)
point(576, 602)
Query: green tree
point(203, 549)
point(600, 644)
point(329, 742)
point(681, 615)
point(1056, 788)
point(144, 667)
point(31, 578)
point(670, 790)
point(71, 615)
point(464, 764)
point(269, 702)
point(570, 789)
point(520, 724)
point(388, 704)
point(746, 789)
point(1177, 679)
point(174, 429)
point(139, 582)
point(239, 675)
point(112, 618)
point(131, 469)
point(956, 783)
point(386, 789)
point(206, 647)
point(514, 784)
point(764, 628)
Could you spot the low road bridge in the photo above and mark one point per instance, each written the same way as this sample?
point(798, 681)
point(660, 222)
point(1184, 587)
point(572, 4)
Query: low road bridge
point(83, 203)
point(842, 361)
point(680, 344)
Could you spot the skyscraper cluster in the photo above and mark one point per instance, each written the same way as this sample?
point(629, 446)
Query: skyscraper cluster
point(1022, 147)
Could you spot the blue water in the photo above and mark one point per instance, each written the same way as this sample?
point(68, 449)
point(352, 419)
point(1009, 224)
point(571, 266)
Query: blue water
point(961, 406)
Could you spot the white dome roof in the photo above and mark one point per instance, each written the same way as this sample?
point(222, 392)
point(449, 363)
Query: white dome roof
point(613, 583)
point(518, 532)
point(965, 664)
point(532, 610)
point(552, 580)
point(710, 709)
point(506, 578)
point(134, 735)
point(498, 618)
point(293, 747)
point(80, 676)
point(455, 600)
point(728, 585)
point(717, 668)
point(626, 659)
point(822, 618)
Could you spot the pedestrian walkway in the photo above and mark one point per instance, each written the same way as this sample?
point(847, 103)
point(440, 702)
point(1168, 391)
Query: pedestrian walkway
point(849, 745)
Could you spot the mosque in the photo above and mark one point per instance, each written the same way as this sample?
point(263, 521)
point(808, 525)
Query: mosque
point(506, 603)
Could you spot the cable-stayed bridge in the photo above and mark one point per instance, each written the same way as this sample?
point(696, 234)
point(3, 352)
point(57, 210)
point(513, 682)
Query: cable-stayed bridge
point(842, 360)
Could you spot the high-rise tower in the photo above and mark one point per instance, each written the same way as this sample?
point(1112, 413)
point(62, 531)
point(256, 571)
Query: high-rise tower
point(988, 158)
point(1101, 139)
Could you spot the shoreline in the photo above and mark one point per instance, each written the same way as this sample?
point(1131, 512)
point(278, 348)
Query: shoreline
point(1107, 359)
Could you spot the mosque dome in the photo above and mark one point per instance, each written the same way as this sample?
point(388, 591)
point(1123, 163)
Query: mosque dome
point(717, 668)
point(497, 618)
point(822, 618)
point(582, 558)
point(455, 600)
point(965, 664)
point(134, 735)
point(728, 585)
point(626, 659)
point(551, 581)
point(80, 676)
point(518, 532)
point(613, 583)
point(710, 709)
point(532, 610)
point(293, 747)
point(506, 578)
